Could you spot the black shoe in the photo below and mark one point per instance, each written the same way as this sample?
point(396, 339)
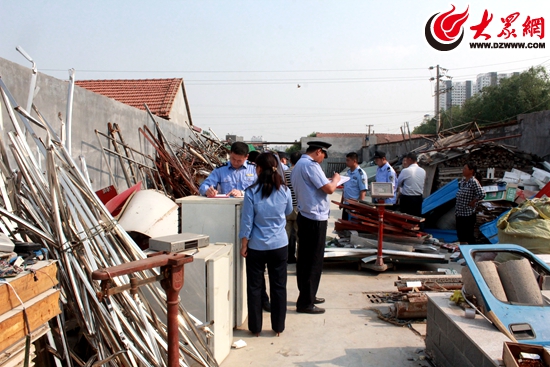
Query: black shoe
point(318, 300)
point(266, 306)
point(313, 310)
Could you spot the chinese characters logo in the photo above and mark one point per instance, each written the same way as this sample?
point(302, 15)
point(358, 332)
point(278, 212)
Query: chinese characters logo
point(445, 31)
point(442, 31)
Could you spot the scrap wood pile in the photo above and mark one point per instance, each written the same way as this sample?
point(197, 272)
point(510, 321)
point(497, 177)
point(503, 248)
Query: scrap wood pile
point(364, 218)
point(402, 239)
point(485, 156)
point(176, 170)
point(53, 205)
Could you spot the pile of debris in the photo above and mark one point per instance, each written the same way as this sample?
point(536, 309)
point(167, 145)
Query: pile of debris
point(176, 170)
point(54, 206)
point(402, 240)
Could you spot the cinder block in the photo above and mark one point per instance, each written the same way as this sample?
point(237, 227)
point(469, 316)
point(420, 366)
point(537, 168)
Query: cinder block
point(430, 312)
point(460, 360)
point(446, 346)
point(472, 351)
point(456, 335)
point(438, 357)
point(441, 320)
point(433, 333)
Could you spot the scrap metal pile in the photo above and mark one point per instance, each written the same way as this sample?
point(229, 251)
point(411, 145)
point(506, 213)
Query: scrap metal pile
point(48, 200)
point(176, 170)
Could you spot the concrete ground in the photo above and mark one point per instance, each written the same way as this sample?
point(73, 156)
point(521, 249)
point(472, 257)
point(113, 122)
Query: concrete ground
point(347, 334)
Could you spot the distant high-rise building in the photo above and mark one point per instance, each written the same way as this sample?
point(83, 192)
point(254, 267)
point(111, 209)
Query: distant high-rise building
point(485, 80)
point(461, 92)
point(457, 93)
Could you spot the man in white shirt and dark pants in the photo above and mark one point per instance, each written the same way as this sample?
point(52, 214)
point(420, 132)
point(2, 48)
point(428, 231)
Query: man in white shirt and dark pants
point(411, 185)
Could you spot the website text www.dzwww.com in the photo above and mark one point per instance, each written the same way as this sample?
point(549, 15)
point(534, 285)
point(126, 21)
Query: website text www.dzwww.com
point(507, 45)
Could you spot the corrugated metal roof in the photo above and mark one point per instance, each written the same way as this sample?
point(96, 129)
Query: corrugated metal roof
point(158, 94)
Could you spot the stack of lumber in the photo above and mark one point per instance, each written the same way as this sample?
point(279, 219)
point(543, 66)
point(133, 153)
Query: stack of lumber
point(35, 288)
point(365, 219)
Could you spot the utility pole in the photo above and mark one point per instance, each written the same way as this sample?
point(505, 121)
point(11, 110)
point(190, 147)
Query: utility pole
point(368, 134)
point(438, 91)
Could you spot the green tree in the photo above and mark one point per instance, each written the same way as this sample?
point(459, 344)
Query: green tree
point(523, 93)
point(296, 147)
point(428, 126)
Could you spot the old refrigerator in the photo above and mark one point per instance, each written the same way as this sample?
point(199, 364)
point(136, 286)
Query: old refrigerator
point(219, 218)
point(207, 294)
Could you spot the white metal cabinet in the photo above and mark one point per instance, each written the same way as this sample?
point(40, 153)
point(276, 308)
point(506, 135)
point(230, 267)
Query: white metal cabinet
point(221, 220)
point(207, 294)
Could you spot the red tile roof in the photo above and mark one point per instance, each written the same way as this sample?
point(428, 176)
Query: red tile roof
point(380, 138)
point(158, 94)
point(340, 135)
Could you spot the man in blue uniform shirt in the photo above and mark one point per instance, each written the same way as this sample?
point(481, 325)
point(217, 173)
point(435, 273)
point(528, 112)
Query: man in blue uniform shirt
point(233, 177)
point(312, 188)
point(385, 173)
point(356, 187)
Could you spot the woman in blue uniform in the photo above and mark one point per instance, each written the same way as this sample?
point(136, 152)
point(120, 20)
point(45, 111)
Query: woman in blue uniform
point(264, 242)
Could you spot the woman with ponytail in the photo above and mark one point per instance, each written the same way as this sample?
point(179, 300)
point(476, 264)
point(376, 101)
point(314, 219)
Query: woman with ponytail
point(264, 242)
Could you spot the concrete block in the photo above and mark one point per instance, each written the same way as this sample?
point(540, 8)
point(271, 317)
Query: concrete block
point(460, 359)
point(438, 357)
point(474, 354)
point(440, 319)
point(456, 335)
point(433, 333)
point(480, 343)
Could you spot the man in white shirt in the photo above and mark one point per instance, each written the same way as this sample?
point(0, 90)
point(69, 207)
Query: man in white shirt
point(411, 186)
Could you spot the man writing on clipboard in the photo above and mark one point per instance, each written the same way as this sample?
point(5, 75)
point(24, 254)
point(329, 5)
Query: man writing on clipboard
point(233, 177)
point(312, 189)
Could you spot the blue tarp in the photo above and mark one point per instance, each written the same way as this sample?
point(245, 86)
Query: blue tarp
point(490, 229)
point(440, 197)
point(447, 235)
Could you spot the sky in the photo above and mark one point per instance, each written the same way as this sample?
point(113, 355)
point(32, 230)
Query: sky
point(278, 70)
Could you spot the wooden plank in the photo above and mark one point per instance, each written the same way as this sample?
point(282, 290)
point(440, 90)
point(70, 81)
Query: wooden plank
point(435, 278)
point(12, 351)
point(39, 310)
point(25, 285)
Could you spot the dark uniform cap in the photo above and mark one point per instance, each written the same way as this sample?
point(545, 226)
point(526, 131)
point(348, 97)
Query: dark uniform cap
point(282, 154)
point(379, 154)
point(320, 145)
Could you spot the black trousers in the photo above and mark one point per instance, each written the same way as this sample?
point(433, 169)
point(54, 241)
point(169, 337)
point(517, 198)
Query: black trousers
point(312, 236)
point(276, 268)
point(411, 204)
point(465, 228)
point(345, 214)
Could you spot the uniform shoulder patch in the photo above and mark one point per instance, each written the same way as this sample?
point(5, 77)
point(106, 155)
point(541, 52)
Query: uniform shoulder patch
point(389, 168)
point(222, 165)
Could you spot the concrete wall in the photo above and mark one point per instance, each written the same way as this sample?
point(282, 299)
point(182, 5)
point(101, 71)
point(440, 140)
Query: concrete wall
point(91, 111)
point(340, 145)
point(400, 148)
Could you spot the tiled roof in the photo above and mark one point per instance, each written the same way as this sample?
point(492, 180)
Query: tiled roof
point(158, 94)
point(380, 138)
point(340, 135)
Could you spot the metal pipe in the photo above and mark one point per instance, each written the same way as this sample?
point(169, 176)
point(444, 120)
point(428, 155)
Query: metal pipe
point(34, 75)
point(379, 257)
point(68, 126)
